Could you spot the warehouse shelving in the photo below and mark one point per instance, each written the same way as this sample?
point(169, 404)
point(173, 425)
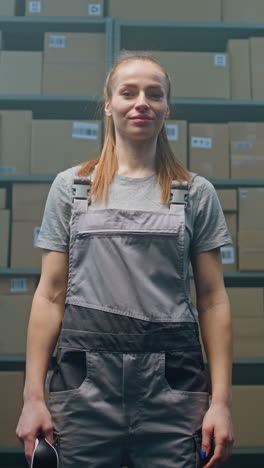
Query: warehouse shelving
point(89, 107)
point(181, 36)
point(184, 36)
point(232, 278)
point(18, 31)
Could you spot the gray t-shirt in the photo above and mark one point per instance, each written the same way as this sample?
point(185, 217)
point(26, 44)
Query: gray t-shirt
point(205, 221)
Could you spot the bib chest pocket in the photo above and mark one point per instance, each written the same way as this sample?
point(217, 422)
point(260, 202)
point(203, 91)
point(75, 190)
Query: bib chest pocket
point(135, 273)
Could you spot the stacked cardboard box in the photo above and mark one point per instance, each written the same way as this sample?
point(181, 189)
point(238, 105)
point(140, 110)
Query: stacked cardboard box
point(248, 414)
point(240, 78)
point(60, 144)
point(81, 8)
point(4, 229)
point(11, 401)
point(251, 229)
point(243, 11)
point(177, 136)
point(14, 312)
point(256, 45)
point(25, 65)
point(208, 150)
point(168, 10)
point(211, 72)
point(246, 150)
point(10, 7)
point(2, 198)
point(15, 130)
point(228, 200)
point(74, 63)
point(247, 306)
point(27, 211)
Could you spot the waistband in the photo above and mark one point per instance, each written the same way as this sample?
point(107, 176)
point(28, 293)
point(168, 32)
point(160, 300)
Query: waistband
point(94, 330)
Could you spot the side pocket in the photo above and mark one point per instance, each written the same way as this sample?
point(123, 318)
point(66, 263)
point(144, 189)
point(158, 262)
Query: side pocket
point(184, 370)
point(198, 446)
point(56, 442)
point(70, 371)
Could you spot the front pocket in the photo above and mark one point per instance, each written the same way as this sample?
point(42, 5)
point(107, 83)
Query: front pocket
point(70, 371)
point(184, 371)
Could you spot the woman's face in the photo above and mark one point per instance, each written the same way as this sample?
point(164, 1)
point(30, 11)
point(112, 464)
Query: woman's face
point(138, 104)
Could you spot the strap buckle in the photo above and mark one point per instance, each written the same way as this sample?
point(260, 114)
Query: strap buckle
point(80, 191)
point(179, 193)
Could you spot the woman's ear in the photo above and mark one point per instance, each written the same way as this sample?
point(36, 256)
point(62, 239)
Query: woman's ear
point(167, 113)
point(107, 108)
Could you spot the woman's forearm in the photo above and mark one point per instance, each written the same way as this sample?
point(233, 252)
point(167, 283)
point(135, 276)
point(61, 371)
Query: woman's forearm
point(216, 330)
point(43, 330)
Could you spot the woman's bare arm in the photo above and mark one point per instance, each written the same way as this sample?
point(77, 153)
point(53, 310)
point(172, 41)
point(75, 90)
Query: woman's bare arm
point(216, 329)
point(43, 329)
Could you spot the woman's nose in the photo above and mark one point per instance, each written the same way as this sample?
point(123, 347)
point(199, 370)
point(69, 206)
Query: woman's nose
point(142, 101)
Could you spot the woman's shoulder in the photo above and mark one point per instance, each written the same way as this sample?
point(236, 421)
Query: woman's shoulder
point(200, 185)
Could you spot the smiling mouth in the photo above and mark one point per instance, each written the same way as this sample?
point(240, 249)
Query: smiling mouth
point(141, 117)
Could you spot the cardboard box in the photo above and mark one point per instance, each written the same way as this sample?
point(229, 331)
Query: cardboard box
point(13, 285)
point(74, 47)
point(28, 201)
point(211, 71)
point(4, 237)
point(231, 221)
point(177, 136)
point(74, 79)
point(14, 311)
point(257, 66)
point(248, 337)
point(251, 201)
point(245, 131)
point(25, 65)
point(248, 414)
point(229, 257)
point(9, 7)
point(229, 252)
point(251, 250)
point(228, 199)
point(71, 141)
point(11, 402)
point(238, 50)
point(74, 63)
point(168, 10)
point(2, 198)
point(247, 159)
point(81, 8)
point(208, 150)
point(246, 302)
point(24, 253)
point(15, 131)
point(243, 11)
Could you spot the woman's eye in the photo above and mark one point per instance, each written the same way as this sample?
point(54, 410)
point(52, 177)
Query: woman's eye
point(126, 93)
point(156, 95)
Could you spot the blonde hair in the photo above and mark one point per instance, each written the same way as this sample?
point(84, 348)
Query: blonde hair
point(167, 166)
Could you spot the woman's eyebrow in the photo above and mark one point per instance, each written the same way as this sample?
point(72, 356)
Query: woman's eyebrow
point(132, 85)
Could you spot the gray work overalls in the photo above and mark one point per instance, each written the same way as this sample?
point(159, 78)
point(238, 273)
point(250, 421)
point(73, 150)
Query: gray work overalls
point(129, 387)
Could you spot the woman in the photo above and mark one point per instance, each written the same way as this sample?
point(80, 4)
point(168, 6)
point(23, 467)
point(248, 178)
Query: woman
point(130, 386)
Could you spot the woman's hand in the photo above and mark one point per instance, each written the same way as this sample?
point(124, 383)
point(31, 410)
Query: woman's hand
point(35, 419)
point(217, 427)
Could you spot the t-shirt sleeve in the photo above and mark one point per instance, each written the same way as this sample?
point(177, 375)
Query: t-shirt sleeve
point(210, 229)
point(55, 228)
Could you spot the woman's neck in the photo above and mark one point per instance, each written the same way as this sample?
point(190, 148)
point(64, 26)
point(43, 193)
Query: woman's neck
point(135, 159)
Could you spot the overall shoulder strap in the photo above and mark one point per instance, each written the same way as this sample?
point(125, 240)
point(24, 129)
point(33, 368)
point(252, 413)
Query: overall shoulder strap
point(180, 191)
point(81, 187)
